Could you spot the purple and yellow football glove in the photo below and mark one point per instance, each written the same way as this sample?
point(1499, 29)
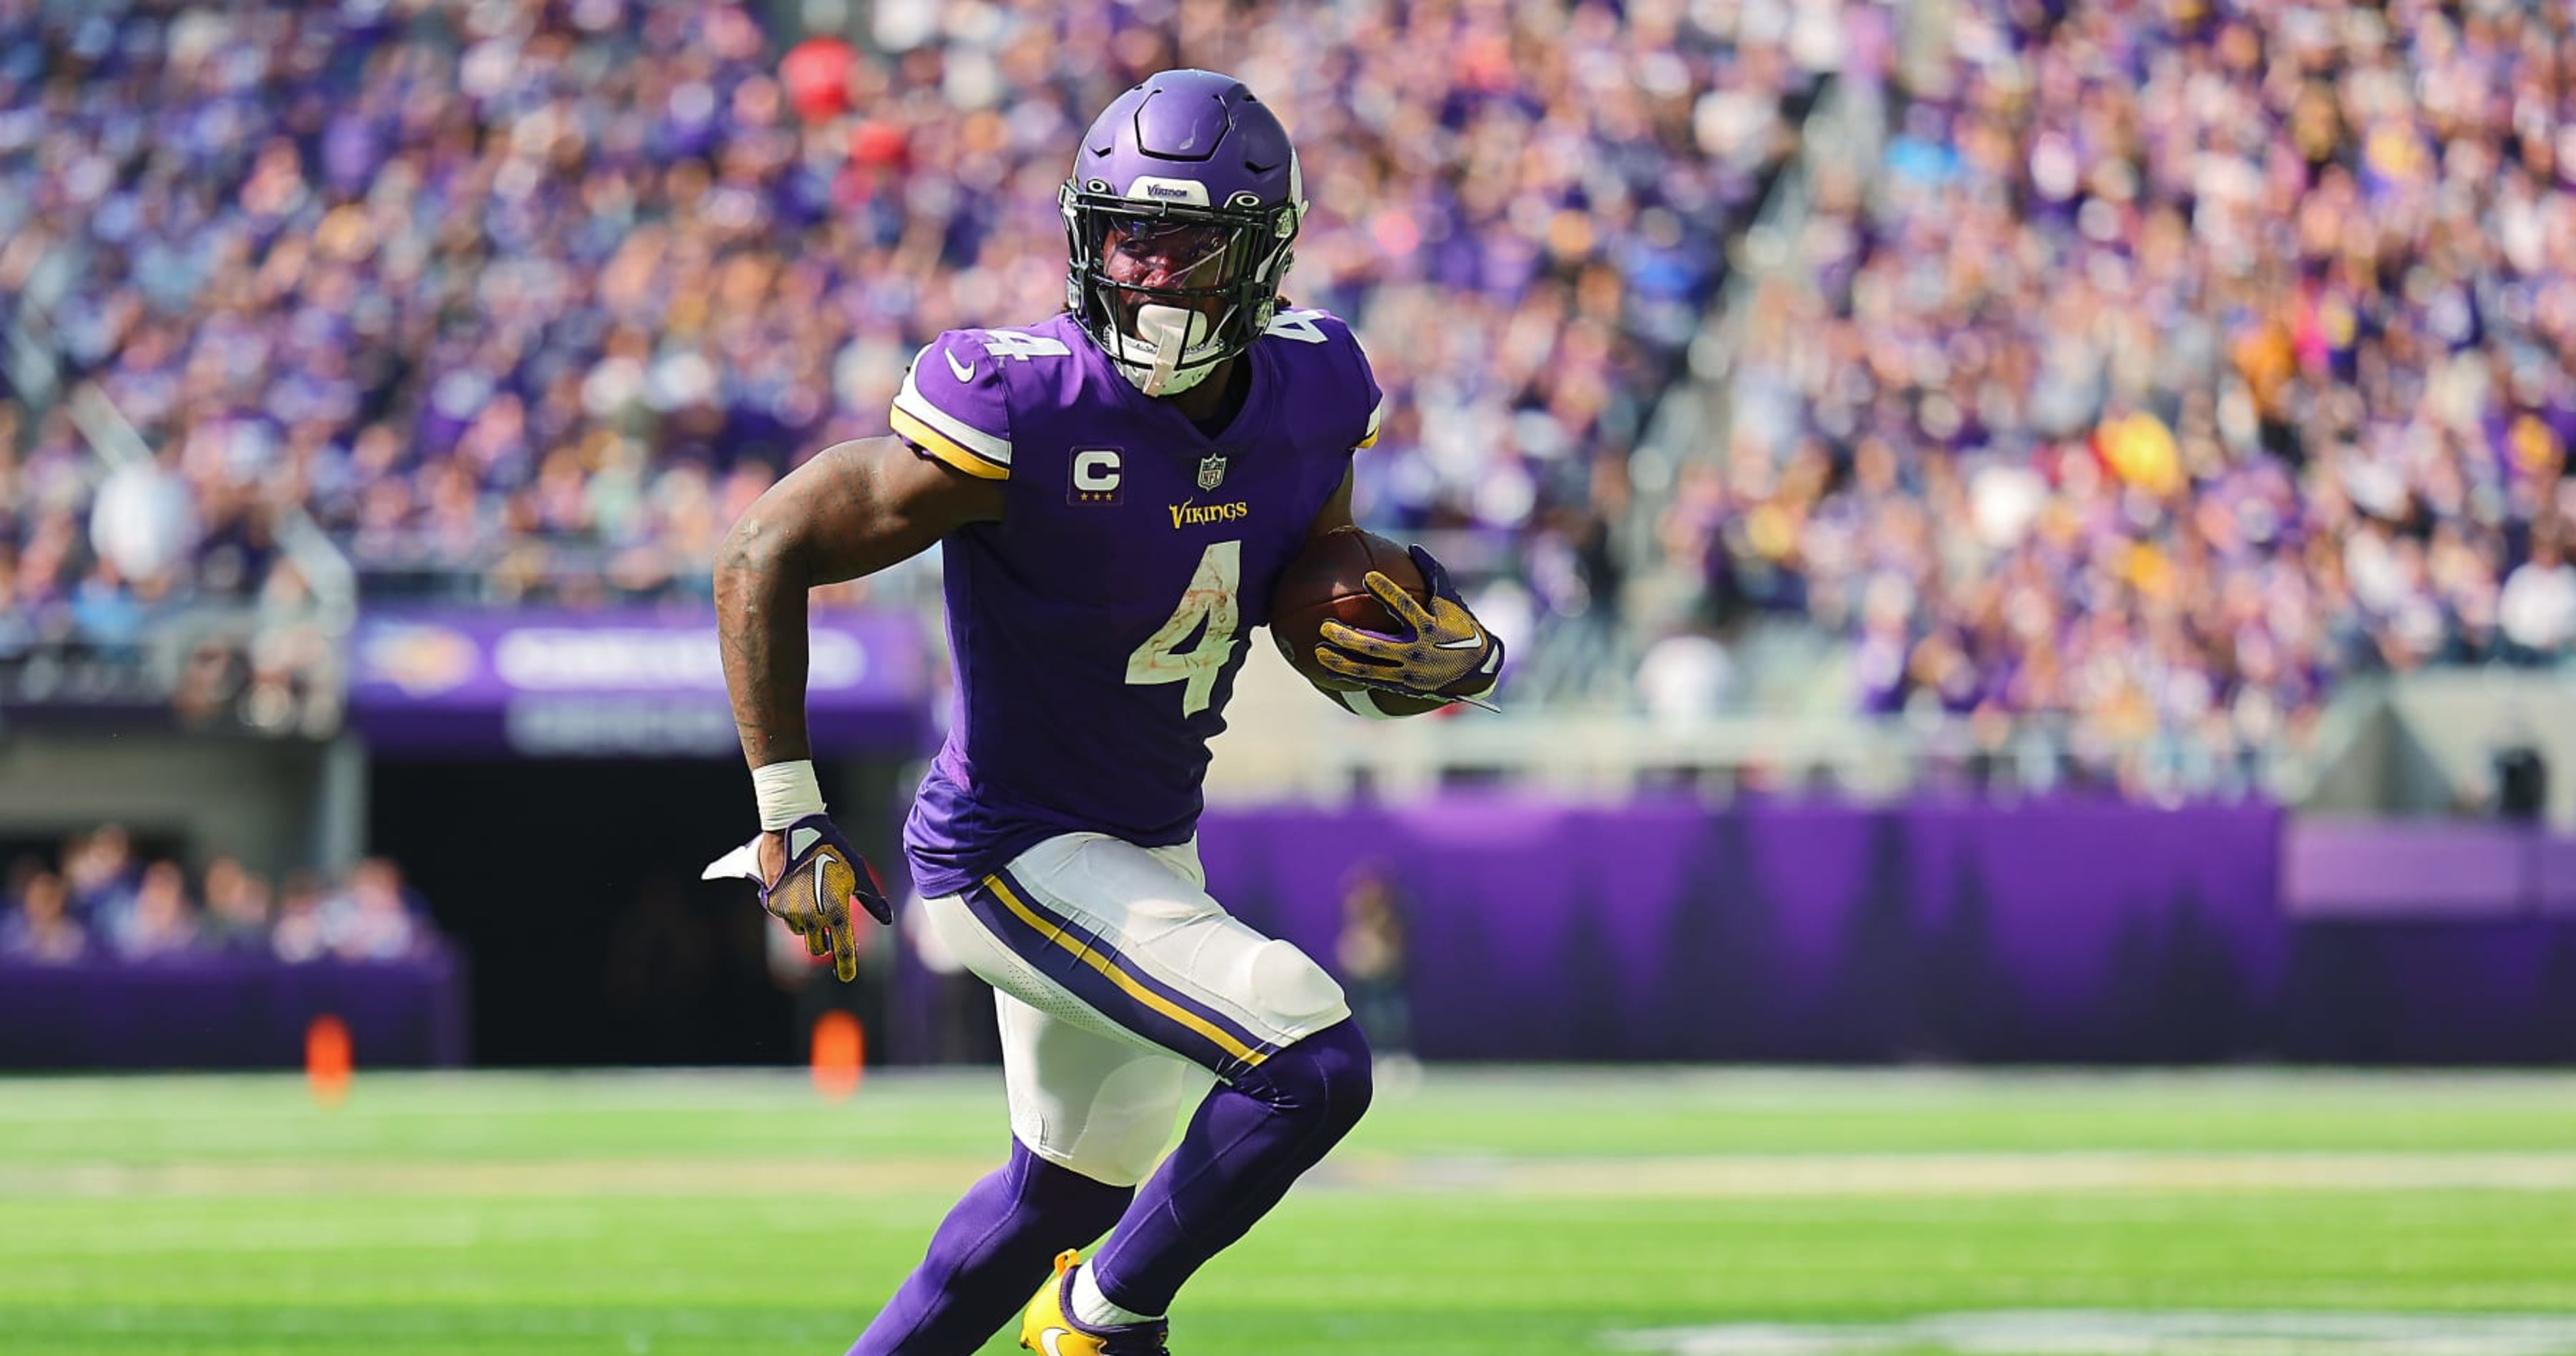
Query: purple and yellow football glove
point(823, 876)
point(1449, 655)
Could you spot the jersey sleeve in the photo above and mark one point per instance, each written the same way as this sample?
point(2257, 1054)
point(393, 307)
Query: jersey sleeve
point(953, 406)
point(1372, 396)
point(1360, 402)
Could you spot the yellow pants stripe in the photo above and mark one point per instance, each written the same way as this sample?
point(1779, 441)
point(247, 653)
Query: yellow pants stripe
point(1223, 1039)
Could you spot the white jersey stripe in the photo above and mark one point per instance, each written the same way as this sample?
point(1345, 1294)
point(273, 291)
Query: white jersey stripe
point(938, 445)
point(975, 440)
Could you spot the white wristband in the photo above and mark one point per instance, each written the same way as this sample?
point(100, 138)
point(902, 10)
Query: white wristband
point(786, 792)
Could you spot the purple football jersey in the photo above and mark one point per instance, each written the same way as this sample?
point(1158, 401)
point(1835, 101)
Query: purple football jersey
point(1098, 626)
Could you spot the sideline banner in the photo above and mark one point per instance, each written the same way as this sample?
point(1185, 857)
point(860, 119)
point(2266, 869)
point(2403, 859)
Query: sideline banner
point(644, 683)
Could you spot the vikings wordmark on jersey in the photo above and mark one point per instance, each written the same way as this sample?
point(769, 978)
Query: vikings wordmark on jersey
point(1099, 625)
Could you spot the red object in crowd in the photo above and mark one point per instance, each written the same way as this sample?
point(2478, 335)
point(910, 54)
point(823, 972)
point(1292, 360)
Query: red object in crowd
point(877, 145)
point(817, 75)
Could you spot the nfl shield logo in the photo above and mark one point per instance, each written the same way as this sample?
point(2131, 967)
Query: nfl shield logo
point(1211, 470)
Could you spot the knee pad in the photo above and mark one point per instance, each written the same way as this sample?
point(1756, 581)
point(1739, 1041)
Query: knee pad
point(1324, 1077)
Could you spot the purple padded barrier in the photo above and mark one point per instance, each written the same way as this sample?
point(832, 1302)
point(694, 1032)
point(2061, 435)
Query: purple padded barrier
point(2060, 931)
point(227, 1012)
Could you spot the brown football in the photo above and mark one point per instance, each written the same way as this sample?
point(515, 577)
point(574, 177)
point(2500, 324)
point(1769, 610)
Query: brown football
point(1323, 584)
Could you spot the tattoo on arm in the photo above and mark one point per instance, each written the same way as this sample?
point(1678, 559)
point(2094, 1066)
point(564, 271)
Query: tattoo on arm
point(852, 510)
point(760, 623)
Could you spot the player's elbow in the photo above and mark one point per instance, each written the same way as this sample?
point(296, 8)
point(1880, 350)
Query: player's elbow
point(757, 551)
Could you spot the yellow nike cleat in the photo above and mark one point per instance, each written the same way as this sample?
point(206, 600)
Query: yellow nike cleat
point(1050, 1329)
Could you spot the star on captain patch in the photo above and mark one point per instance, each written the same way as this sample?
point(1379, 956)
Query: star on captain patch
point(1211, 470)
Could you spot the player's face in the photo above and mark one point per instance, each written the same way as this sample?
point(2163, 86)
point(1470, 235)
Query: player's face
point(1147, 253)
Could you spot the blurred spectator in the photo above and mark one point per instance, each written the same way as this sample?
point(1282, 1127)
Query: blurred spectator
point(99, 868)
point(2536, 613)
point(1685, 676)
point(370, 919)
point(161, 920)
point(237, 904)
point(1371, 955)
point(301, 933)
point(42, 929)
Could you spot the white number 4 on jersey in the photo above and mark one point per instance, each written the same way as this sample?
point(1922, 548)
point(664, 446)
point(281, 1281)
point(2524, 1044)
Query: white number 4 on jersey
point(1210, 598)
point(1013, 344)
point(1297, 325)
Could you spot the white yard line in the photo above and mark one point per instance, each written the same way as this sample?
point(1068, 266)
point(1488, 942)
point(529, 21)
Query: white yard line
point(1711, 1177)
point(1967, 1174)
point(578, 1177)
point(2129, 1333)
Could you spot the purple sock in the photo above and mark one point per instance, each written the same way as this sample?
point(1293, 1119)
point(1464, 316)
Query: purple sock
point(990, 1255)
point(1250, 1140)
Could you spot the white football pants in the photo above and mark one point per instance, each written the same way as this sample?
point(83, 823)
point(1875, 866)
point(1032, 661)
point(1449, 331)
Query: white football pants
point(1124, 988)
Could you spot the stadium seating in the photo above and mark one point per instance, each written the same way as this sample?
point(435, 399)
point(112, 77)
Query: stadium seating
point(2169, 366)
point(2240, 343)
point(528, 301)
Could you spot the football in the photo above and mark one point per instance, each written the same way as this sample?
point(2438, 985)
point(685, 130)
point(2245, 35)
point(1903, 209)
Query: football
point(1323, 584)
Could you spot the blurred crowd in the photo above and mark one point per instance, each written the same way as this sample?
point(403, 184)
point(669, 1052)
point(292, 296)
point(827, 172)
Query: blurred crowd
point(100, 898)
point(2175, 359)
point(522, 298)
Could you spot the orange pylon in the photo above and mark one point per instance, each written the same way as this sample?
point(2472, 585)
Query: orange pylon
point(327, 1065)
point(840, 1053)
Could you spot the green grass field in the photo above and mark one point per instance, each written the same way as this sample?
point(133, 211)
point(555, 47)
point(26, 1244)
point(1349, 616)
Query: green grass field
point(1485, 1213)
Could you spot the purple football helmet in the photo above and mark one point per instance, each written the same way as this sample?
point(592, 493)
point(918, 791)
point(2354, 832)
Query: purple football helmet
point(1184, 200)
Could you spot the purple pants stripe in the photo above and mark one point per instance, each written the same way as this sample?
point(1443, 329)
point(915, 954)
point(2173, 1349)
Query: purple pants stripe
point(1090, 968)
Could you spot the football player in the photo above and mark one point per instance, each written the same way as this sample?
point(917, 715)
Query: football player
point(1118, 489)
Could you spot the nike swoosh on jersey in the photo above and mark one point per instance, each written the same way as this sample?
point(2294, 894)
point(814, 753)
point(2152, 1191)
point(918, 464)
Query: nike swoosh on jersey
point(1462, 643)
point(962, 371)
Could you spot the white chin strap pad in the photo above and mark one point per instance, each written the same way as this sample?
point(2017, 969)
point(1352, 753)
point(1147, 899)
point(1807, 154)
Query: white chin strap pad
point(1170, 331)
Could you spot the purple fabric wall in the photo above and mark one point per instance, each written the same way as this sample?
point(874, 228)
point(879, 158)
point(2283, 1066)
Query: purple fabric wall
point(225, 1012)
point(2051, 931)
point(2069, 932)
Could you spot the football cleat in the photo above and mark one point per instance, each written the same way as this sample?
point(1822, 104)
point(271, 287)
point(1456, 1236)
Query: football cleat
point(1050, 1329)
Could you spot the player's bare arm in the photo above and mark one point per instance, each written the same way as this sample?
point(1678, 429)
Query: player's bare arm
point(853, 510)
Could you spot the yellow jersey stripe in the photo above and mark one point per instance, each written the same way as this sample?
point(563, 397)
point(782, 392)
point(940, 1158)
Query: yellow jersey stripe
point(939, 445)
point(1224, 1041)
point(911, 401)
